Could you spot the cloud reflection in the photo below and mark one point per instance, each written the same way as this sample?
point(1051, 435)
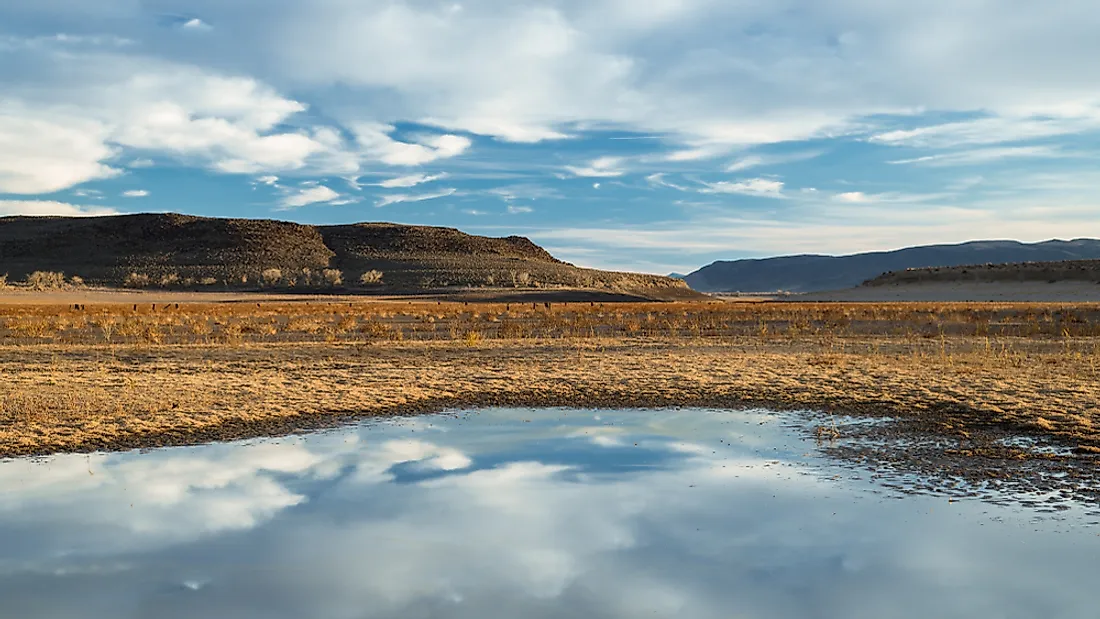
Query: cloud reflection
point(665, 514)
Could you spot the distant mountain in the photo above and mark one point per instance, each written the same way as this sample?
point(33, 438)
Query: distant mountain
point(813, 273)
point(677, 275)
point(182, 251)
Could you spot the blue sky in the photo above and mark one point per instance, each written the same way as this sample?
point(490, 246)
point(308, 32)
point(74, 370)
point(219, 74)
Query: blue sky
point(647, 136)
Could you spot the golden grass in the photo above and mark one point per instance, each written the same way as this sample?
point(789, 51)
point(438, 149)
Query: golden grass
point(115, 377)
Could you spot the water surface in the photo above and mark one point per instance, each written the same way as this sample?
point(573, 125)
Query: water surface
point(519, 513)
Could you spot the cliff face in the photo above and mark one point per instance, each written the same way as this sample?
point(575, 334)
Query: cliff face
point(185, 251)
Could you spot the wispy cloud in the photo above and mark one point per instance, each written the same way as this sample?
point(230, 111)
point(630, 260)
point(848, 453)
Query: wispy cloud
point(756, 161)
point(517, 209)
point(859, 197)
point(397, 198)
point(985, 155)
point(411, 180)
point(135, 193)
point(196, 25)
point(658, 180)
point(309, 195)
point(603, 167)
point(375, 141)
point(761, 187)
point(988, 131)
point(51, 207)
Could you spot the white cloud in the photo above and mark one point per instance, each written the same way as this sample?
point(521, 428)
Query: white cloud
point(43, 153)
point(141, 163)
point(471, 211)
point(763, 187)
point(755, 161)
point(595, 185)
point(135, 193)
point(989, 131)
point(516, 210)
point(270, 180)
point(50, 207)
point(603, 167)
point(405, 197)
point(308, 195)
point(980, 156)
point(411, 180)
point(658, 180)
point(375, 141)
point(197, 25)
point(855, 197)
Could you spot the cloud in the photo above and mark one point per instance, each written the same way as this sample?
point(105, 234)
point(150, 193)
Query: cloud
point(411, 180)
point(141, 163)
point(50, 207)
point(376, 143)
point(405, 197)
point(988, 131)
point(762, 187)
point(516, 210)
point(308, 195)
point(854, 197)
point(603, 167)
point(135, 193)
point(196, 25)
point(270, 180)
point(44, 153)
point(980, 156)
point(658, 180)
point(756, 161)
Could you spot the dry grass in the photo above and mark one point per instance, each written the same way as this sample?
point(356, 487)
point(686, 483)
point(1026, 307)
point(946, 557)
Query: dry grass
point(112, 376)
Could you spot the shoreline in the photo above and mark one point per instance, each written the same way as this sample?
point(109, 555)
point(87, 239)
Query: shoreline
point(58, 399)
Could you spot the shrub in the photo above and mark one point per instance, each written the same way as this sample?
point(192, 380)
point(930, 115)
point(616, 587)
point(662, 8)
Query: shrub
point(171, 279)
point(77, 281)
point(43, 280)
point(271, 277)
point(520, 279)
point(333, 277)
point(137, 280)
point(4, 281)
point(370, 278)
point(208, 281)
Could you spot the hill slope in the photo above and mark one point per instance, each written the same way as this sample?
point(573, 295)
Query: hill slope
point(182, 251)
point(811, 273)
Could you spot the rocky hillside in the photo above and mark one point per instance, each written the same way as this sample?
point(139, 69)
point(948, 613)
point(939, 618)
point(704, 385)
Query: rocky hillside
point(186, 252)
point(810, 273)
point(1049, 272)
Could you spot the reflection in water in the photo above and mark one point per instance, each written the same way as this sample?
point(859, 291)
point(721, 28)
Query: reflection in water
point(521, 513)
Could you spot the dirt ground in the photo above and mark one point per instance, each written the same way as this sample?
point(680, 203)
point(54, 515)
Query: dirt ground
point(111, 378)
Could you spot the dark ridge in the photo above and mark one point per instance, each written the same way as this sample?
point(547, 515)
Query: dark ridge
point(814, 273)
point(1061, 271)
point(188, 252)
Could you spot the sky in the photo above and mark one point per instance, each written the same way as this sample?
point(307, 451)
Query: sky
point(652, 136)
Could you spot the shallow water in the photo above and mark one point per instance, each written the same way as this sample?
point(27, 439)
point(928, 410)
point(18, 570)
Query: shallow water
point(509, 513)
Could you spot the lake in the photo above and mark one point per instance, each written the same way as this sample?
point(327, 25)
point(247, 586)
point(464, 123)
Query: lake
point(525, 513)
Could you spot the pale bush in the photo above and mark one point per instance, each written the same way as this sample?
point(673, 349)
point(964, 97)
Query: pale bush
point(520, 279)
point(4, 281)
point(44, 280)
point(371, 277)
point(208, 281)
point(77, 281)
point(137, 280)
point(333, 277)
point(271, 277)
point(171, 279)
